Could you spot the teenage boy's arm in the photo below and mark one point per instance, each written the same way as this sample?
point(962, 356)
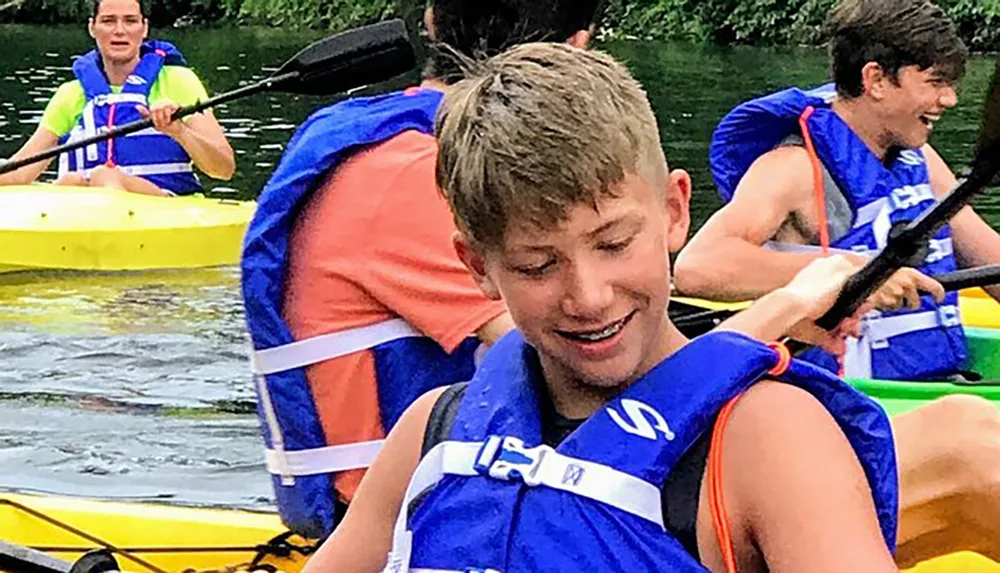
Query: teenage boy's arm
point(975, 242)
point(362, 541)
point(726, 259)
point(798, 497)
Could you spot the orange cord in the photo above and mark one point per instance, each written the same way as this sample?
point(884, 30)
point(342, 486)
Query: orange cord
point(784, 359)
point(716, 501)
point(817, 169)
point(111, 141)
point(820, 195)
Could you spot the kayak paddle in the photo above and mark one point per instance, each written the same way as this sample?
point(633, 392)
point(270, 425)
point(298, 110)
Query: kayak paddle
point(694, 320)
point(339, 63)
point(903, 246)
point(19, 559)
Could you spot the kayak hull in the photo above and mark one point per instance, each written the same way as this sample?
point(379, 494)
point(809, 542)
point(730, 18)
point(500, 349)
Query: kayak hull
point(177, 539)
point(965, 562)
point(898, 396)
point(173, 538)
point(97, 229)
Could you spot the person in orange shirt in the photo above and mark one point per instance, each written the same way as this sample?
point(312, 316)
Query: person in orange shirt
point(356, 302)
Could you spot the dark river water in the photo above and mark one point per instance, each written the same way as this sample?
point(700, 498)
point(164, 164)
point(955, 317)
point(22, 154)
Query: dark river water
point(138, 385)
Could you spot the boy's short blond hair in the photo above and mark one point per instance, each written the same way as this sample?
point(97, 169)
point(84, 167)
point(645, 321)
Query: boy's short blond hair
point(540, 129)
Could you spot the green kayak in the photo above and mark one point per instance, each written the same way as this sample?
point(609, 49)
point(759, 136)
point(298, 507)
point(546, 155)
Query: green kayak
point(984, 358)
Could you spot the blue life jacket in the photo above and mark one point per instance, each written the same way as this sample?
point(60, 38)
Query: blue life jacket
point(928, 343)
point(494, 498)
point(407, 363)
point(148, 153)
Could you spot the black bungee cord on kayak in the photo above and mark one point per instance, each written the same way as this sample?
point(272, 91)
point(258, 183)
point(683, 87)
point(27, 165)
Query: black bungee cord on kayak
point(100, 558)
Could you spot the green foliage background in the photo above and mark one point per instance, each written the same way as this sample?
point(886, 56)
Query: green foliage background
point(759, 22)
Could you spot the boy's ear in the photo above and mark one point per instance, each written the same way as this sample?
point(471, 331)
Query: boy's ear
point(874, 81)
point(475, 261)
point(581, 38)
point(678, 199)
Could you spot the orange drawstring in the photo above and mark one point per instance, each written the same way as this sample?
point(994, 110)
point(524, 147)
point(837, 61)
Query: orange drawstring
point(820, 195)
point(784, 359)
point(111, 141)
point(716, 500)
point(817, 168)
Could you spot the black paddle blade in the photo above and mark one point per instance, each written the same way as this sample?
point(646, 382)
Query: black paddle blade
point(345, 61)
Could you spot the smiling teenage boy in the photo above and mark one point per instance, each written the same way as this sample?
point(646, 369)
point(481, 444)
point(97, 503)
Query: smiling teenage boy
point(581, 442)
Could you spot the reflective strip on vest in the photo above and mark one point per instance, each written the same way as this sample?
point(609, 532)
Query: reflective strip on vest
point(328, 346)
point(113, 98)
point(151, 169)
point(291, 463)
point(500, 458)
point(876, 331)
point(89, 129)
point(326, 460)
point(869, 212)
point(782, 247)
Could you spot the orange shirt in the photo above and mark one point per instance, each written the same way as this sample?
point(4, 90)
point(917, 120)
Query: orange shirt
point(374, 243)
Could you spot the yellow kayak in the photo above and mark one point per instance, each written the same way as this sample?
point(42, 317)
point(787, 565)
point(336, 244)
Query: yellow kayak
point(89, 228)
point(172, 538)
point(965, 562)
point(176, 539)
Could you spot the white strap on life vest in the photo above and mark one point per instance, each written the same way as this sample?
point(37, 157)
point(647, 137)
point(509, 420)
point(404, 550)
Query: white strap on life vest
point(330, 459)
point(870, 212)
point(113, 98)
point(782, 247)
point(328, 346)
point(342, 457)
point(157, 168)
point(89, 130)
point(876, 332)
point(506, 458)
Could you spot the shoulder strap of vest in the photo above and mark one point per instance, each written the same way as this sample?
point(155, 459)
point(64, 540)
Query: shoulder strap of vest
point(442, 417)
point(88, 70)
point(755, 127)
point(868, 429)
point(323, 142)
point(862, 176)
point(154, 55)
point(172, 56)
point(142, 78)
point(650, 425)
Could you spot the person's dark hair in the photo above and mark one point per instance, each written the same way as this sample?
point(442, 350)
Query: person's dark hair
point(894, 34)
point(95, 6)
point(483, 28)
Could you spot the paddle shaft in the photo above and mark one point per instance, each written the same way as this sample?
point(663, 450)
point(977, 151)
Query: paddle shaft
point(967, 278)
point(953, 281)
point(19, 559)
point(135, 126)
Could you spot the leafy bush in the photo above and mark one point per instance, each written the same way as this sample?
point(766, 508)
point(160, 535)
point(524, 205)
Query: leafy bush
point(760, 22)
